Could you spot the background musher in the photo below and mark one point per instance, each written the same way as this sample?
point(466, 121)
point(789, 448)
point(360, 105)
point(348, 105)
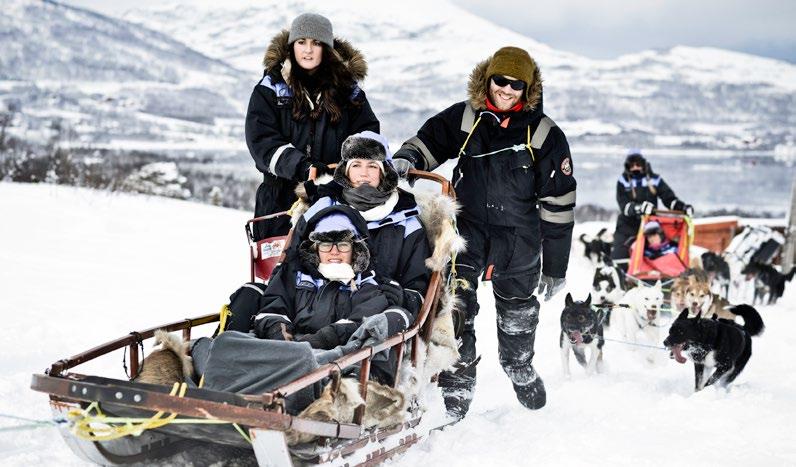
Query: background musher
point(302, 110)
point(515, 184)
point(637, 192)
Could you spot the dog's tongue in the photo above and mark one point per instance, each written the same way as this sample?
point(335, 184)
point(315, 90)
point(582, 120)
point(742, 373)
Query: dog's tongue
point(577, 337)
point(678, 353)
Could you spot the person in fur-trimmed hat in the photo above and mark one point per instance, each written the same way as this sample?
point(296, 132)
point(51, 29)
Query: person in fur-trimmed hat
point(514, 179)
point(323, 290)
point(366, 180)
point(307, 103)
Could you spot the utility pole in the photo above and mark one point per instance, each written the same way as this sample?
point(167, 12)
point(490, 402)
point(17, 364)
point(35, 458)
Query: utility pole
point(789, 252)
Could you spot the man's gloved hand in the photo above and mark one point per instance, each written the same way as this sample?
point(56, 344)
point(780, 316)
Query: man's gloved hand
point(644, 208)
point(550, 286)
point(402, 166)
point(689, 210)
point(393, 292)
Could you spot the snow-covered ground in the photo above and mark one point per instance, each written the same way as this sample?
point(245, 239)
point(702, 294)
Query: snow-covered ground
point(78, 267)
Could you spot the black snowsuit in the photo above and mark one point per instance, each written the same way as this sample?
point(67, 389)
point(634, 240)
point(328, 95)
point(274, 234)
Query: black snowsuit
point(632, 191)
point(398, 242)
point(282, 146)
point(298, 302)
point(517, 193)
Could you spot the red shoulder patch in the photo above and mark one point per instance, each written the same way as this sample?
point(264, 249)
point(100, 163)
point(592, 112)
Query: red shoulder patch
point(566, 166)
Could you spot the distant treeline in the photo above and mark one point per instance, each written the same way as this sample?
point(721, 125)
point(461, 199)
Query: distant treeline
point(157, 174)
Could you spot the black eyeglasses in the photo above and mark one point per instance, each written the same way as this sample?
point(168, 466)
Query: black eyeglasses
point(326, 247)
point(516, 84)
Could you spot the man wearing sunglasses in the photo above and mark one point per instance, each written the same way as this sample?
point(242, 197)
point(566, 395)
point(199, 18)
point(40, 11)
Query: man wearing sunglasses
point(514, 181)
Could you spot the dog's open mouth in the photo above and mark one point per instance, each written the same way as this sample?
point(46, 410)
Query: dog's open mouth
point(575, 337)
point(651, 314)
point(677, 351)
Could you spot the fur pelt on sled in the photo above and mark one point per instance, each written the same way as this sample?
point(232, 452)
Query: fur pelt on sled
point(385, 407)
point(169, 364)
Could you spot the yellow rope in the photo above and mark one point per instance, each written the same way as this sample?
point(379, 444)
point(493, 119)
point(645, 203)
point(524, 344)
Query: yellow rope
point(93, 425)
point(223, 316)
point(293, 207)
point(528, 144)
point(466, 140)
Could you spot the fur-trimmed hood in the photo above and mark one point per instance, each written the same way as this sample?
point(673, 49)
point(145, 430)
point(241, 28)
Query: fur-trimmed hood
point(360, 257)
point(477, 88)
point(278, 52)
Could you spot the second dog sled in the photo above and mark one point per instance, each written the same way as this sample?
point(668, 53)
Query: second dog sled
point(675, 227)
point(111, 421)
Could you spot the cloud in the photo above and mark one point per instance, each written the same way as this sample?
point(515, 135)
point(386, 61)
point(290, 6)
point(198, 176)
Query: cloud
point(609, 28)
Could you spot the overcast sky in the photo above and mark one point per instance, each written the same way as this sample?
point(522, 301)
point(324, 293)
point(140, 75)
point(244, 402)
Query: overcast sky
point(609, 28)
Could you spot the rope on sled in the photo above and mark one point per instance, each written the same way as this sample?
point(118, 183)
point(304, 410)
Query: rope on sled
point(92, 424)
point(31, 424)
point(635, 344)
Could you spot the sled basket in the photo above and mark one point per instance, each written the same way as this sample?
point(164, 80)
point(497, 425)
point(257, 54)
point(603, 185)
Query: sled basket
point(677, 227)
point(250, 425)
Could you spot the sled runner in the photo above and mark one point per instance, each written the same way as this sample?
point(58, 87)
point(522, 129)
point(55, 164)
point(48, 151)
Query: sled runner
point(112, 421)
point(676, 227)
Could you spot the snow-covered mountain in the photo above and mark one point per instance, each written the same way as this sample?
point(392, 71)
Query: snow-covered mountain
point(109, 82)
point(683, 97)
point(116, 82)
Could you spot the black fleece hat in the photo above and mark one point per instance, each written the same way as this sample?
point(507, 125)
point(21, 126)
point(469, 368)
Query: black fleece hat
point(367, 145)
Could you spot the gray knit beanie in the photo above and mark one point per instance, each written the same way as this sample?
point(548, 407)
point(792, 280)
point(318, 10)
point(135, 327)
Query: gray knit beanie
point(313, 26)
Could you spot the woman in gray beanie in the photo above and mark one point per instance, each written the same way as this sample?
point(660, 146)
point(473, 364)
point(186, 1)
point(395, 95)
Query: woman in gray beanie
point(307, 103)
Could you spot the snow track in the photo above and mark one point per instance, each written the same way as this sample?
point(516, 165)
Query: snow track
point(78, 267)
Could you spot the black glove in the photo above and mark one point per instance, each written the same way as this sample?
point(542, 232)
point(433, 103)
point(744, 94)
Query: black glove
point(402, 166)
point(326, 338)
point(550, 286)
point(643, 208)
point(689, 210)
point(393, 292)
point(306, 165)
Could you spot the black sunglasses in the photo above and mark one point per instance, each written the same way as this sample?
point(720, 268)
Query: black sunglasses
point(516, 84)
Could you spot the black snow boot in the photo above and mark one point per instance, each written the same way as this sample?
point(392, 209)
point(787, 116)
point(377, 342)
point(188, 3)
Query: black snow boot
point(532, 395)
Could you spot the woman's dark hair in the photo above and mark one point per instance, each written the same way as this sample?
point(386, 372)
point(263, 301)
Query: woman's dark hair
point(331, 79)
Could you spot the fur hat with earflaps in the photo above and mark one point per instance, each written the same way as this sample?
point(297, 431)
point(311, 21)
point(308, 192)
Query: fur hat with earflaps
point(335, 224)
point(370, 146)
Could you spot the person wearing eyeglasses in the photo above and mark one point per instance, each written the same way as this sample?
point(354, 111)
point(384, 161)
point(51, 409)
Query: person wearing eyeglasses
point(323, 291)
point(366, 181)
point(514, 180)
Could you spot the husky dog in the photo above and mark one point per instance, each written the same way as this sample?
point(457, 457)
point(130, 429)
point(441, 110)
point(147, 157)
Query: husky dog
point(606, 288)
point(598, 248)
point(712, 344)
point(169, 364)
point(718, 272)
point(581, 328)
point(639, 311)
point(768, 281)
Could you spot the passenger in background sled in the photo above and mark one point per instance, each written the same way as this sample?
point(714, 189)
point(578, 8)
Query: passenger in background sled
point(324, 291)
point(637, 193)
point(656, 244)
point(306, 104)
point(366, 181)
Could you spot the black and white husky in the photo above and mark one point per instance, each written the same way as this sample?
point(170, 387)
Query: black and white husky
point(598, 248)
point(607, 289)
point(718, 347)
point(581, 328)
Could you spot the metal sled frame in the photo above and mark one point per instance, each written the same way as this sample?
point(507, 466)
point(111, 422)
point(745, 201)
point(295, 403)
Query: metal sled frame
point(263, 414)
